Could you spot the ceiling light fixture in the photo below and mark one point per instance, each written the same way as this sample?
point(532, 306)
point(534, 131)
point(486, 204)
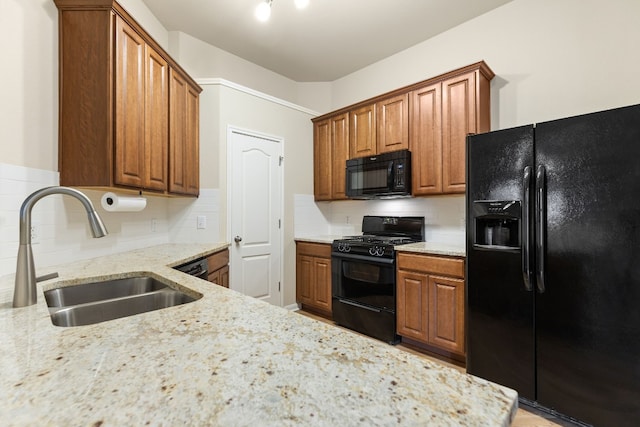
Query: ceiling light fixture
point(263, 10)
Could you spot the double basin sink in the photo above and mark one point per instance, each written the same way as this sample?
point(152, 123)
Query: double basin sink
point(96, 302)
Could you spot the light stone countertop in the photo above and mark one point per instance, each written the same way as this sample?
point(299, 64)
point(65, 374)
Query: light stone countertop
point(225, 359)
point(433, 248)
point(318, 239)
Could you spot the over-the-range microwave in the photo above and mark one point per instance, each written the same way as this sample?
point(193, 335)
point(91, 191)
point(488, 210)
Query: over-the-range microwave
point(386, 175)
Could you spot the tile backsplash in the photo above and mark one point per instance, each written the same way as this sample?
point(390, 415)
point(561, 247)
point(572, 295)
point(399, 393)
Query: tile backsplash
point(62, 232)
point(444, 216)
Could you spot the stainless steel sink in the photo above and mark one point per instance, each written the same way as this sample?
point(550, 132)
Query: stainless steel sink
point(100, 291)
point(111, 299)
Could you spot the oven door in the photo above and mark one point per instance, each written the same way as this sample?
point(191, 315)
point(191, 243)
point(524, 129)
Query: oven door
point(364, 280)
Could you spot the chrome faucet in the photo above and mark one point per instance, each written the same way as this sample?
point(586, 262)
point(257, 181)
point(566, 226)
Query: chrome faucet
point(24, 293)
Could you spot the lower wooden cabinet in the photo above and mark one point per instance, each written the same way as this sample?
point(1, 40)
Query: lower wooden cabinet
point(219, 268)
point(313, 277)
point(430, 302)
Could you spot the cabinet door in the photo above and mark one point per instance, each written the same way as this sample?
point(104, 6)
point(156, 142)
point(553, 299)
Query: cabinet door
point(339, 155)
point(322, 283)
point(192, 143)
point(322, 174)
point(184, 154)
point(458, 120)
point(178, 133)
point(393, 123)
point(426, 140)
point(224, 276)
point(129, 156)
point(214, 277)
point(304, 279)
point(362, 131)
point(412, 305)
point(156, 120)
point(446, 313)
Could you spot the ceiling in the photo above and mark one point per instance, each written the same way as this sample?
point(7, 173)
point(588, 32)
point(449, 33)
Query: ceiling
point(327, 40)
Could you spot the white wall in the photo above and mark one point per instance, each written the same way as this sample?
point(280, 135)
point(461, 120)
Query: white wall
point(29, 153)
point(552, 59)
point(228, 104)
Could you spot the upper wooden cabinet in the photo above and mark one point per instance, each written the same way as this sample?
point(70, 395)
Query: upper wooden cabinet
point(432, 118)
point(331, 151)
point(117, 108)
point(183, 142)
point(393, 123)
point(141, 102)
point(426, 140)
point(362, 131)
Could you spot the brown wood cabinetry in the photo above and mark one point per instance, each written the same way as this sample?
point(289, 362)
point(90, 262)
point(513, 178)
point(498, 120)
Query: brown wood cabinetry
point(115, 95)
point(219, 268)
point(432, 118)
point(313, 277)
point(330, 153)
point(430, 302)
point(393, 123)
point(465, 110)
point(183, 142)
point(426, 140)
point(362, 131)
point(442, 115)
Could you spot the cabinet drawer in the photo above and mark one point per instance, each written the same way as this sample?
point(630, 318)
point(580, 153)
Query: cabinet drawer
point(432, 264)
point(218, 260)
point(314, 249)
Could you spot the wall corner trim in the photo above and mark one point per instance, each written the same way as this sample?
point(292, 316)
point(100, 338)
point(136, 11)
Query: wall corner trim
point(256, 93)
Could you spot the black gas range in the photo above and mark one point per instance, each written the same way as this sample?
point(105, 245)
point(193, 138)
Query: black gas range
point(364, 275)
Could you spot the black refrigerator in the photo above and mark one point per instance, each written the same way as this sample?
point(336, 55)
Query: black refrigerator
point(553, 264)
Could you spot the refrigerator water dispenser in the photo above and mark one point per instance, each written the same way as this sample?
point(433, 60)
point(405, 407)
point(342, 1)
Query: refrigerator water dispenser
point(497, 224)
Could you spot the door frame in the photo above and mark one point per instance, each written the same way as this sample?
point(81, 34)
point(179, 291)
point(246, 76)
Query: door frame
point(231, 129)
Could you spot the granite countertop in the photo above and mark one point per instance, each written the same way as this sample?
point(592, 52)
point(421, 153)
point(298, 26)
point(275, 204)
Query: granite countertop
point(433, 248)
point(225, 359)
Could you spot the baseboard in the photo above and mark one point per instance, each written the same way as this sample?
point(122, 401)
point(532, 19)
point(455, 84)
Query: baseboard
point(292, 307)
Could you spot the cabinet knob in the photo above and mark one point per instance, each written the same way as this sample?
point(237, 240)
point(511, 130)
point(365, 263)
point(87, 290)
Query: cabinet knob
point(237, 239)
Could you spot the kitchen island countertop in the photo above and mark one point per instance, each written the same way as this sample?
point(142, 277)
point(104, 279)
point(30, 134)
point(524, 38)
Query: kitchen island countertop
point(225, 359)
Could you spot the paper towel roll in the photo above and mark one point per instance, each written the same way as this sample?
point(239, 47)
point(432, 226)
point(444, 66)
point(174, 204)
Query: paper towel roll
point(111, 202)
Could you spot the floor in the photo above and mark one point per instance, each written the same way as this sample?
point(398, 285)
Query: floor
point(524, 417)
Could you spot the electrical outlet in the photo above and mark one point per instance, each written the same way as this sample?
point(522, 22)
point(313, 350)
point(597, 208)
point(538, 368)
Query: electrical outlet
point(35, 234)
point(154, 225)
point(201, 222)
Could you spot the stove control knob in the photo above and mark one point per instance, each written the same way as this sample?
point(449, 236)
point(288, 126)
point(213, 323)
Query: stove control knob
point(344, 247)
point(380, 251)
point(372, 250)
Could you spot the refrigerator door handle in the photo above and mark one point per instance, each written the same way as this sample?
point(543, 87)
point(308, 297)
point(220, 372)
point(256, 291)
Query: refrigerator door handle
point(541, 222)
point(526, 235)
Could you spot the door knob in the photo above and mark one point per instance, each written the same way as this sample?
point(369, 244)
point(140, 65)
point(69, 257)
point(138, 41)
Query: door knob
point(237, 239)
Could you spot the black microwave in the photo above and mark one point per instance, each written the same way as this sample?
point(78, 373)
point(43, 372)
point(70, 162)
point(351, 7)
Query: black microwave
point(386, 175)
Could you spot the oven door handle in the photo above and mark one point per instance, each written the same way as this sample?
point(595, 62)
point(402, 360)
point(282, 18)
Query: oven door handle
point(363, 258)
point(355, 304)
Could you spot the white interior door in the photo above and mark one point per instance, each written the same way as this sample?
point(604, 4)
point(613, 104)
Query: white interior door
point(255, 201)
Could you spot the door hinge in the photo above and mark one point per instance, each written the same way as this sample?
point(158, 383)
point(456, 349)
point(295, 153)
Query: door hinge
point(279, 223)
point(281, 160)
point(278, 286)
